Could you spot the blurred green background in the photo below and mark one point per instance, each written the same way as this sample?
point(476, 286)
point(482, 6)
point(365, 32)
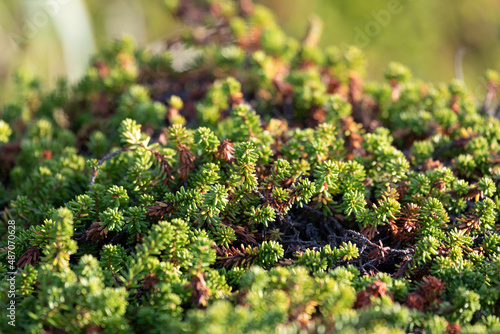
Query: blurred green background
point(52, 38)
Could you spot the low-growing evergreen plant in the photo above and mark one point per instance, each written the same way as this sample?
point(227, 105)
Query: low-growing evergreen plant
point(263, 188)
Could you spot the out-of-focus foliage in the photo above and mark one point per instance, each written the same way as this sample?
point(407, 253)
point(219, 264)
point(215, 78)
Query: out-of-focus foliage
point(425, 35)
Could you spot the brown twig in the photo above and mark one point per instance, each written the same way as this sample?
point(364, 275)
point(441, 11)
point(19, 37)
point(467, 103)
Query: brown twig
point(103, 160)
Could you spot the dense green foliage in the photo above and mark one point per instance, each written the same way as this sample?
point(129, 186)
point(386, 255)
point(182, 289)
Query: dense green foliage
point(264, 189)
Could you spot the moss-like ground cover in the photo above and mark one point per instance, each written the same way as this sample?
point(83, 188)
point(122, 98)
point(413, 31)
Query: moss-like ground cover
point(265, 188)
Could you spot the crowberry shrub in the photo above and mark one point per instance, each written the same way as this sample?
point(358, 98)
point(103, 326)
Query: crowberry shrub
point(264, 187)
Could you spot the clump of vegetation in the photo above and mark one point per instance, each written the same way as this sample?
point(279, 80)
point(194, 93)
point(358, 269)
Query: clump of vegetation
point(264, 188)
